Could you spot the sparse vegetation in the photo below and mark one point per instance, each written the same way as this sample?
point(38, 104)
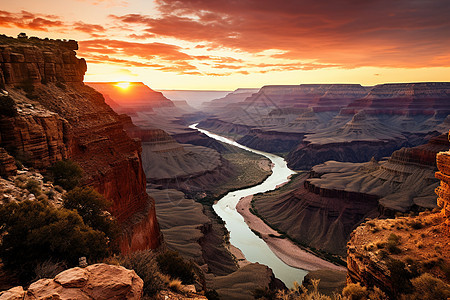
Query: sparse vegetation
point(145, 265)
point(427, 287)
point(392, 244)
point(354, 291)
point(34, 232)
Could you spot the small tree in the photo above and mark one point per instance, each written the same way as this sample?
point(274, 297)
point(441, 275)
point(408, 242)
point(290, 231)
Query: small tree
point(91, 206)
point(66, 173)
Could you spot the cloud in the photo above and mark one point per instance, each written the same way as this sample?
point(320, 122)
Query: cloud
point(27, 20)
point(94, 30)
point(43, 22)
point(140, 50)
point(159, 56)
point(349, 33)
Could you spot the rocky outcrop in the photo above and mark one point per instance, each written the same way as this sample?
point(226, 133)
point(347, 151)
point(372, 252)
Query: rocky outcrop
point(37, 137)
point(60, 117)
point(443, 191)
point(7, 164)
point(35, 61)
point(99, 281)
point(388, 253)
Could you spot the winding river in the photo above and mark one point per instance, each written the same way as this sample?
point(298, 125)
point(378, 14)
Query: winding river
point(252, 246)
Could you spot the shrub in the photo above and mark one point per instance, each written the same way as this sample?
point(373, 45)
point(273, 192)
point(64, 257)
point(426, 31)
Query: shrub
point(427, 287)
point(354, 291)
point(34, 187)
point(35, 231)
point(91, 206)
point(66, 173)
point(392, 244)
point(7, 106)
point(48, 269)
point(146, 267)
point(172, 264)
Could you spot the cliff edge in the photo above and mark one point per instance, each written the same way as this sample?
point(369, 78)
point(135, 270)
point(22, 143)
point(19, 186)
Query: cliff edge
point(55, 116)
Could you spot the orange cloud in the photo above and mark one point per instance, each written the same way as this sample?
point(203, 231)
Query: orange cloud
point(27, 20)
point(379, 33)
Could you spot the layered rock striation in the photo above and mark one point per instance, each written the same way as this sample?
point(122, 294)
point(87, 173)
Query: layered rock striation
point(58, 117)
point(443, 191)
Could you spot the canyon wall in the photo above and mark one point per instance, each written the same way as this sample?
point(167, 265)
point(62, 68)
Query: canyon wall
point(58, 117)
point(443, 191)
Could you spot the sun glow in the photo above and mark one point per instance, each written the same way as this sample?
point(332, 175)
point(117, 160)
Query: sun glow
point(123, 85)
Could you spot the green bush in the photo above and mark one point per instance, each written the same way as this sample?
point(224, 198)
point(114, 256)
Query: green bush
point(66, 173)
point(91, 206)
point(172, 264)
point(34, 232)
point(7, 106)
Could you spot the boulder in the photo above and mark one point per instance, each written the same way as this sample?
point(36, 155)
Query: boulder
point(99, 281)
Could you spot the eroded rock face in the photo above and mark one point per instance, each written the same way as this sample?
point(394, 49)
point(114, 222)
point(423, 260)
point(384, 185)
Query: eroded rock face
point(36, 61)
point(99, 281)
point(69, 120)
point(443, 191)
point(7, 164)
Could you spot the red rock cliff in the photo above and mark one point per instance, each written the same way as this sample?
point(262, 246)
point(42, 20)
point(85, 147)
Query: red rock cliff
point(59, 117)
point(443, 191)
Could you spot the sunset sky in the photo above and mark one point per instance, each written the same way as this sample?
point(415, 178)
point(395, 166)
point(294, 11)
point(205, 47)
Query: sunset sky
point(223, 45)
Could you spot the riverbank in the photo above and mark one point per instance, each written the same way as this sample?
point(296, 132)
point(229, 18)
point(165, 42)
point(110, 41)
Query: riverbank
point(283, 248)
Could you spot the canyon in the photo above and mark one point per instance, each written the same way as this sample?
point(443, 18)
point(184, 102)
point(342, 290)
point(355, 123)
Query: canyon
point(364, 154)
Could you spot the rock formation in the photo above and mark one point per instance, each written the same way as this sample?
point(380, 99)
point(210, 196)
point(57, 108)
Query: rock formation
point(387, 253)
point(332, 119)
point(99, 281)
point(443, 191)
point(7, 164)
point(134, 96)
point(58, 117)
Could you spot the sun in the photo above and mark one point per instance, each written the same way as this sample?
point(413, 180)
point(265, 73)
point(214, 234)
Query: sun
point(123, 85)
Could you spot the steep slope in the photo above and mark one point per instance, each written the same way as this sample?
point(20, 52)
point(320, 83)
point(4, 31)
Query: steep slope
point(58, 117)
